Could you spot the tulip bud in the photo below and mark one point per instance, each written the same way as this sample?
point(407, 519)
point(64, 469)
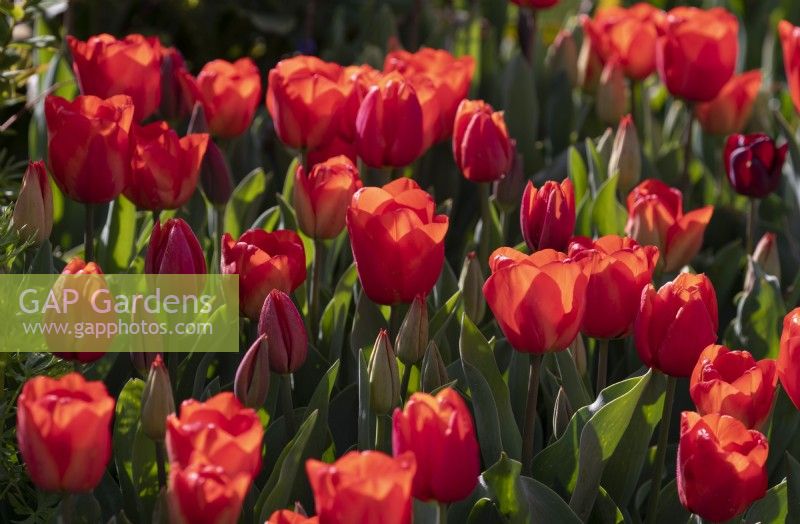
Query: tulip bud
point(33, 211)
point(251, 384)
point(562, 57)
point(626, 156)
point(508, 188)
point(174, 250)
point(471, 284)
point(384, 379)
point(766, 255)
point(282, 325)
point(589, 66)
point(175, 95)
point(434, 372)
point(561, 413)
point(547, 215)
point(481, 146)
point(142, 360)
point(612, 93)
point(157, 401)
point(412, 338)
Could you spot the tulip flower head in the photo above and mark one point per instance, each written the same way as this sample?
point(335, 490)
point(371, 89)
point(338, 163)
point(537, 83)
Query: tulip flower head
point(251, 384)
point(788, 369)
point(229, 92)
point(790, 42)
point(730, 110)
point(481, 146)
point(157, 401)
point(547, 216)
point(754, 164)
point(204, 492)
point(285, 335)
point(321, 197)
point(174, 250)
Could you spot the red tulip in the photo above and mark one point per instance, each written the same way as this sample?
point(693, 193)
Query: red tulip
point(164, 168)
point(721, 466)
point(481, 147)
point(676, 324)
point(354, 82)
point(63, 431)
point(282, 326)
point(366, 487)
point(790, 41)
point(174, 250)
point(203, 492)
point(788, 368)
point(733, 383)
point(322, 197)
point(730, 110)
point(264, 261)
point(218, 431)
point(105, 66)
point(229, 92)
point(547, 216)
point(389, 125)
point(440, 433)
point(696, 51)
point(337, 146)
point(397, 241)
point(754, 164)
point(538, 300)
point(656, 218)
point(88, 146)
point(618, 270)
point(303, 98)
point(285, 516)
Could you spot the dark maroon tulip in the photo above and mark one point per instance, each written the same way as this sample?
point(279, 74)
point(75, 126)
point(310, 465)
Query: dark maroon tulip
point(283, 327)
point(753, 164)
point(174, 250)
point(251, 384)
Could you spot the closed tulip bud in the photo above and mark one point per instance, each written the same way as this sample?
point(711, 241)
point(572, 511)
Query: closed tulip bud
point(64, 432)
point(676, 323)
point(612, 94)
point(229, 92)
point(508, 189)
point(157, 401)
point(88, 146)
point(590, 65)
point(284, 333)
point(321, 197)
point(626, 156)
point(767, 258)
point(696, 51)
point(733, 383)
point(754, 164)
point(562, 57)
point(203, 492)
point(547, 216)
point(729, 112)
point(481, 146)
point(561, 413)
point(440, 433)
point(176, 96)
point(215, 176)
point(142, 360)
point(789, 355)
point(790, 43)
point(471, 283)
point(251, 383)
point(433, 373)
point(721, 466)
point(33, 210)
point(174, 250)
point(412, 337)
point(384, 379)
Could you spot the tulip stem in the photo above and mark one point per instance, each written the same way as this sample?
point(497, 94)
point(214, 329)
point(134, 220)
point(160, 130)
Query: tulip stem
point(530, 414)
point(88, 234)
point(752, 224)
point(442, 512)
point(286, 404)
point(67, 508)
point(313, 296)
point(661, 450)
point(602, 364)
point(160, 462)
point(486, 220)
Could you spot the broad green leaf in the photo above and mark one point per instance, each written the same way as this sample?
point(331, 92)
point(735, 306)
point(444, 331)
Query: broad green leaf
point(583, 218)
point(289, 219)
point(366, 429)
point(670, 509)
point(367, 323)
point(519, 93)
point(597, 168)
point(502, 480)
point(759, 317)
point(578, 173)
point(485, 511)
point(115, 248)
point(772, 509)
point(443, 317)
point(334, 317)
point(544, 504)
point(487, 422)
point(288, 182)
point(605, 511)
point(126, 424)
point(608, 214)
point(784, 424)
point(793, 490)
point(245, 202)
point(571, 380)
point(268, 220)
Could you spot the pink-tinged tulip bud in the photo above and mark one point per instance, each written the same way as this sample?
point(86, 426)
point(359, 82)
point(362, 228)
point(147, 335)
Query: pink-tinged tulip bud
point(730, 111)
point(33, 211)
point(157, 401)
point(612, 93)
point(562, 57)
point(251, 384)
point(433, 372)
point(754, 164)
point(282, 326)
point(547, 217)
point(766, 256)
point(215, 176)
point(626, 156)
point(412, 337)
point(322, 197)
point(481, 147)
point(174, 250)
point(507, 189)
point(384, 378)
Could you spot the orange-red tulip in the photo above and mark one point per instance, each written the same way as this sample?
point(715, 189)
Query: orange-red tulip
point(696, 51)
point(397, 241)
point(656, 218)
point(229, 92)
point(355, 82)
point(790, 42)
point(730, 110)
point(105, 66)
point(481, 147)
point(733, 383)
point(440, 433)
point(618, 270)
point(389, 124)
point(88, 146)
point(367, 487)
point(204, 492)
point(538, 300)
point(164, 167)
point(721, 466)
point(304, 97)
point(63, 432)
point(264, 261)
point(285, 516)
point(547, 215)
point(676, 324)
point(219, 431)
point(789, 356)
point(321, 197)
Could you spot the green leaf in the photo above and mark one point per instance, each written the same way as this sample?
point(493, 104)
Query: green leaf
point(334, 317)
point(42, 263)
point(366, 431)
point(245, 202)
point(784, 422)
point(571, 380)
point(289, 218)
point(519, 93)
point(126, 423)
point(485, 512)
point(277, 490)
point(268, 220)
point(583, 218)
point(793, 490)
point(442, 318)
point(501, 479)
point(116, 243)
point(670, 509)
point(772, 509)
point(477, 354)
point(545, 504)
point(577, 173)
point(367, 323)
point(288, 181)
point(759, 317)
point(607, 213)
